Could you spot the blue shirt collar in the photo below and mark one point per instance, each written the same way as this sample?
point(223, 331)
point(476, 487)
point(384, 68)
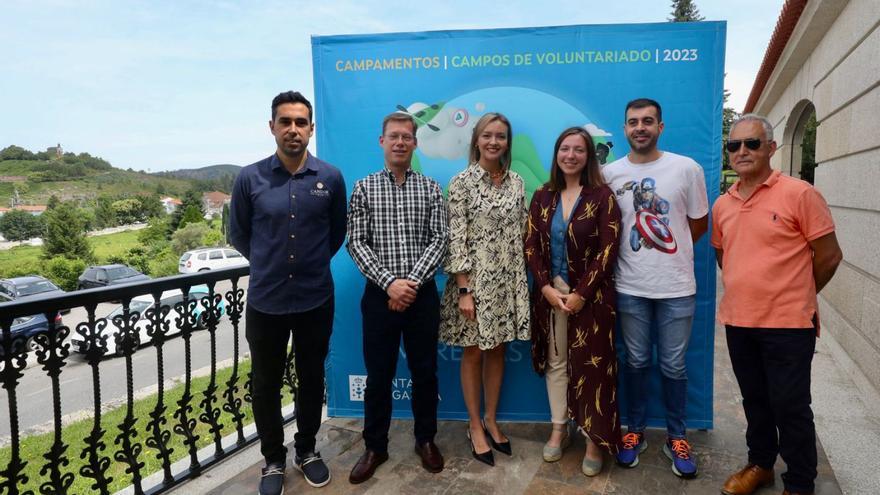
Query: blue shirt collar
point(311, 163)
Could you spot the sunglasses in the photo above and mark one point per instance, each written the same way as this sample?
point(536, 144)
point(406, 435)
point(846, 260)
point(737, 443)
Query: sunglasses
point(752, 144)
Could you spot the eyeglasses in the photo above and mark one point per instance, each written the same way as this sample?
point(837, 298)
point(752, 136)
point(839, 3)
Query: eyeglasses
point(406, 138)
point(752, 144)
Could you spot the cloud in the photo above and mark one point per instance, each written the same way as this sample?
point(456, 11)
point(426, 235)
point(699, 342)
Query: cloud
point(595, 131)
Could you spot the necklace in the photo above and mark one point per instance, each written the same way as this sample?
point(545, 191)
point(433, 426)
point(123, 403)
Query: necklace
point(496, 175)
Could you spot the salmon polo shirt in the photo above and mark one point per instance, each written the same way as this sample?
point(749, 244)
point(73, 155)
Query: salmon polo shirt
point(768, 264)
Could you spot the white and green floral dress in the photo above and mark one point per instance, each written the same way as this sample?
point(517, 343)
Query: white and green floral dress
point(486, 227)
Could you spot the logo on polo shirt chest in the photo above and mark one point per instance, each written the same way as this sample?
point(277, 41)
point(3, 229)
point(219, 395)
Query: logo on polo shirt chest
point(320, 190)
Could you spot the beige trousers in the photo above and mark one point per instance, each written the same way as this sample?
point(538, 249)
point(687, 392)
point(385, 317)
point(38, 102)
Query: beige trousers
point(556, 372)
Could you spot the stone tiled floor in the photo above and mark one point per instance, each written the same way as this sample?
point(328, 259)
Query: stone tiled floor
point(719, 452)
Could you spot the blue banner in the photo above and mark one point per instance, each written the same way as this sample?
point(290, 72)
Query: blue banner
point(543, 80)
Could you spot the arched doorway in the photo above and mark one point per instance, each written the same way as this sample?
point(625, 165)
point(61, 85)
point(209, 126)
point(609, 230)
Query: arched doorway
point(802, 162)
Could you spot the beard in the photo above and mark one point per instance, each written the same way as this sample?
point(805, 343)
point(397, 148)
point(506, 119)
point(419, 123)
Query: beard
point(645, 146)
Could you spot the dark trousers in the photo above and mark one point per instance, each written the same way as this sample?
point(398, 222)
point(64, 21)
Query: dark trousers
point(772, 367)
point(267, 336)
point(383, 328)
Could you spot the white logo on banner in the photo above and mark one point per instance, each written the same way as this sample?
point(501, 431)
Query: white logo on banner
point(356, 386)
point(401, 388)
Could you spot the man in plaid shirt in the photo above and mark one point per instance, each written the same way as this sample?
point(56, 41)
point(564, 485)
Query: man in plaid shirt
point(397, 234)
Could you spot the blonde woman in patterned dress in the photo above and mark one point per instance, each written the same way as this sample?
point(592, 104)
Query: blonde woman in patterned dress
point(486, 301)
point(571, 248)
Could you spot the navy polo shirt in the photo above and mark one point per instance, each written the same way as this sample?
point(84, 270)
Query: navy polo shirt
point(288, 226)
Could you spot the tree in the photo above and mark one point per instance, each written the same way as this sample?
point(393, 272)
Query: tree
point(65, 234)
point(17, 225)
point(14, 152)
point(728, 116)
point(191, 198)
point(88, 218)
point(53, 202)
point(224, 223)
point(127, 211)
point(151, 206)
point(105, 216)
point(189, 237)
point(190, 215)
point(684, 11)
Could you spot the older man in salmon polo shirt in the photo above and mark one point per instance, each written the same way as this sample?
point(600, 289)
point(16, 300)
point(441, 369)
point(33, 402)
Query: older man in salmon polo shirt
point(775, 243)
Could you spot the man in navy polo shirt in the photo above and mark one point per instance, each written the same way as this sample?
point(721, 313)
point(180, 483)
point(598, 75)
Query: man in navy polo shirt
point(288, 219)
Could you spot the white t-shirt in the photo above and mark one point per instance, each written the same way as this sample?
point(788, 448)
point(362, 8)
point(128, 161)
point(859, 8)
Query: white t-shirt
point(656, 251)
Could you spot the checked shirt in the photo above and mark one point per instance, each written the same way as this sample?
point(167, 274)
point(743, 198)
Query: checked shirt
point(397, 231)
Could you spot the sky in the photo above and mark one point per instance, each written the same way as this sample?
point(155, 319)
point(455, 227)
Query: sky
point(165, 85)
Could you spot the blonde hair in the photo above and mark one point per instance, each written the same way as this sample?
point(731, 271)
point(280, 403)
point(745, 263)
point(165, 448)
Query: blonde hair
point(481, 125)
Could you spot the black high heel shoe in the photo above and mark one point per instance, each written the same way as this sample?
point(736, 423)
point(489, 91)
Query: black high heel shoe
point(484, 457)
point(503, 447)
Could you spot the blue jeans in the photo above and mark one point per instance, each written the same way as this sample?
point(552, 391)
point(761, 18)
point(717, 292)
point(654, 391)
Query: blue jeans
point(673, 318)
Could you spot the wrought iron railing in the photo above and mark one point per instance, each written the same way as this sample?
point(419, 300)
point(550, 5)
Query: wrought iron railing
point(53, 348)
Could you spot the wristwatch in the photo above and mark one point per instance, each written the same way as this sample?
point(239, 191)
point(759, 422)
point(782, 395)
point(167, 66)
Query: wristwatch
point(465, 290)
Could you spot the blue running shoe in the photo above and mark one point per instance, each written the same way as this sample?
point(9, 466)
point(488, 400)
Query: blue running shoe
point(684, 465)
point(632, 445)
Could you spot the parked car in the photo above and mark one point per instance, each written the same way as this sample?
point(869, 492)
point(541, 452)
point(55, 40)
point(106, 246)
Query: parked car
point(139, 305)
point(29, 285)
point(200, 260)
point(104, 275)
point(28, 326)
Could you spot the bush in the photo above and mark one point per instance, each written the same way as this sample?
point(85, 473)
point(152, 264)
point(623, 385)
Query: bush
point(189, 237)
point(155, 231)
point(212, 238)
point(18, 225)
point(22, 268)
point(64, 272)
point(164, 264)
point(136, 257)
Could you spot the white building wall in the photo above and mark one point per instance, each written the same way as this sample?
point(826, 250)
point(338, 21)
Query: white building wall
point(839, 72)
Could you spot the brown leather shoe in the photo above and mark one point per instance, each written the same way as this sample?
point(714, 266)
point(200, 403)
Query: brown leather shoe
point(432, 460)
point(747, 480)
point(366, 466)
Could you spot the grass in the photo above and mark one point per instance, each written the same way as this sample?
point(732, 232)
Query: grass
point(13, 260)
point(113, 244)
point(34, 447)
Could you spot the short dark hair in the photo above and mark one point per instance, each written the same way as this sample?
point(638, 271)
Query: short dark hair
point(399, 117)
point(644, 103)
point(591, 175)
point(290, 97)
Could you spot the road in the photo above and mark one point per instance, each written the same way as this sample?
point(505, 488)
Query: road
point(35, 393)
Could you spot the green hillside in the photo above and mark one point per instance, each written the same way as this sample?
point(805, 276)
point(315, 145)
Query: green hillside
point(41, 182)
point(203, 173)
point(36, 176)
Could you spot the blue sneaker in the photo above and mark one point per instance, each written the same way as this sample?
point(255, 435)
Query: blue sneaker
point(632, 445)
point(684, 465)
